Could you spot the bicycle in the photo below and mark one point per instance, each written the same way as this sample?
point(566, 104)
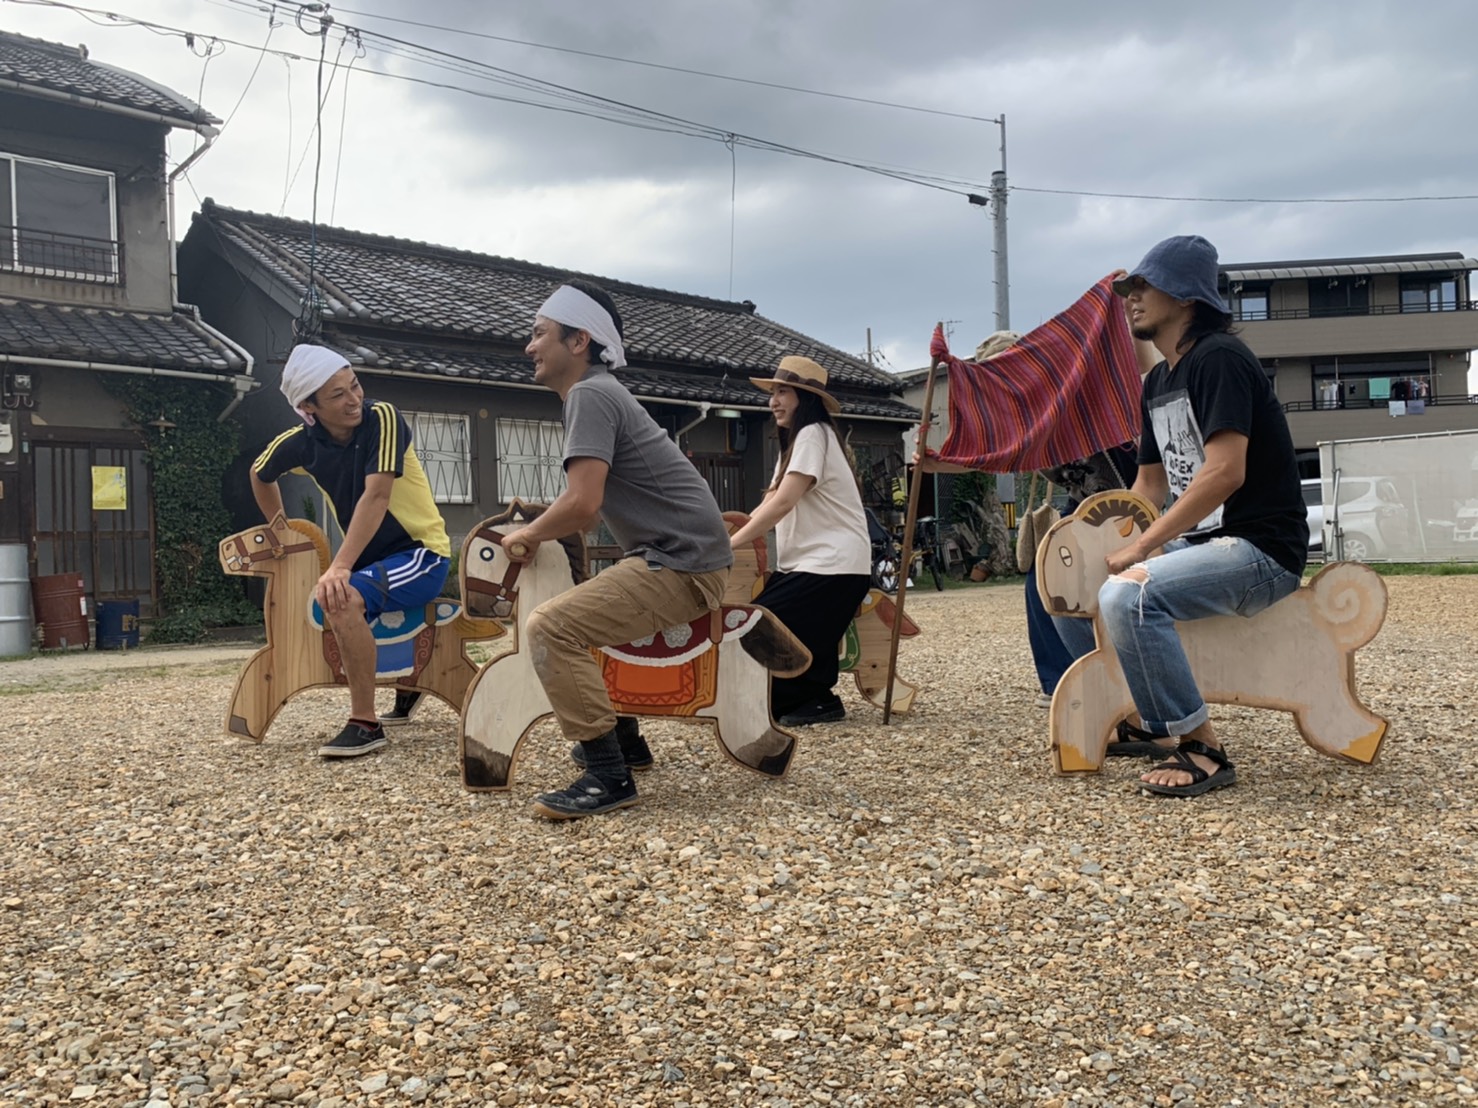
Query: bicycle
point(887, 553)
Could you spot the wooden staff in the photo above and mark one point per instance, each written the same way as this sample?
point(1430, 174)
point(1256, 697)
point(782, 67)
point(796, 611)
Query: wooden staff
point(910, 517)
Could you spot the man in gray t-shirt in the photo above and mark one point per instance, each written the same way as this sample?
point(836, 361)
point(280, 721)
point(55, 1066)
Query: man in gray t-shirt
point(656, 504)
point(622, 468)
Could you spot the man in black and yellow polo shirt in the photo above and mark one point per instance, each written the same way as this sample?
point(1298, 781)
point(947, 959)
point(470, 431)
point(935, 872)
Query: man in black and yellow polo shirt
point(395, 552)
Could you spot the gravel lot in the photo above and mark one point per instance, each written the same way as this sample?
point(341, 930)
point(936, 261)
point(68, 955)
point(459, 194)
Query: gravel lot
point(918, 915)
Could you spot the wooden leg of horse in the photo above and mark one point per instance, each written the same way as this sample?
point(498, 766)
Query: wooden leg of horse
point(504, 702)
point(746, 731)
point(870, 680)
point(1090, 700)
point(1341, 726)
point(256, 699)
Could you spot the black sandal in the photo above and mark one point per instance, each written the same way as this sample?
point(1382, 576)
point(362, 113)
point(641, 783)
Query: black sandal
point(1135, 742)
point(1201, 781)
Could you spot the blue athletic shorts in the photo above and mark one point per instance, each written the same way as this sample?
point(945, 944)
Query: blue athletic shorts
point(402, 582)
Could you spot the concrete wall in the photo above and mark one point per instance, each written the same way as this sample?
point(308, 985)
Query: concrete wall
point(75, 398)
point(134, 152)
point(1391, 333)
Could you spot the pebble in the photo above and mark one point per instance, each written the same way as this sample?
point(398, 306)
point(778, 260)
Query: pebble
point(920, 914)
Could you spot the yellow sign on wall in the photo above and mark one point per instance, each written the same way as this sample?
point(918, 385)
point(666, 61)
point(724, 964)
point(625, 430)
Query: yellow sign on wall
point(109, 488)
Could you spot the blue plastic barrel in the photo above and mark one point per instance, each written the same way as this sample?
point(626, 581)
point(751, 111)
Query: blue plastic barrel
point(118, 624)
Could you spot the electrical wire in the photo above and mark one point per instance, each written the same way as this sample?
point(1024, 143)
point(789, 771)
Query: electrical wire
point(1248, 199)
point(359, 52)
point(596, 107)
point(272, 26)
point(576, 102)
point(323, 99)
point(673, 68)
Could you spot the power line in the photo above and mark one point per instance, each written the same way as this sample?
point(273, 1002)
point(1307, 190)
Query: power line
point(672, 68)
point(592, 106)
point(1246, 199)
point(577, 102)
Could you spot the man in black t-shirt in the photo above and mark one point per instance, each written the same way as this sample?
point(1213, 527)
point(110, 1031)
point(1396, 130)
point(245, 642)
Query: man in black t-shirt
point(1216, 452)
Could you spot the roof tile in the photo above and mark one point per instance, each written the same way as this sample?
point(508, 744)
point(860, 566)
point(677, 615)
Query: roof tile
point(437, 291)
point(56, 67)
point(716, 388)
point(161, 340)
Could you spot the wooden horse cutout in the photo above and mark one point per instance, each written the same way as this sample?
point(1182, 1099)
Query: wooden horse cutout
point(423, 651)
point(1296, 656)
point(714, 669)
point(863, 651)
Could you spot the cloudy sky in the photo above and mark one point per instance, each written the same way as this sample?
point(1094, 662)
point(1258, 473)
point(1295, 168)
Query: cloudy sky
point(1294, 100)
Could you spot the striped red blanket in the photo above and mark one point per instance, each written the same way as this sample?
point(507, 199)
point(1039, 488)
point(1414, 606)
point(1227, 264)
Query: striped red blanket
point(1065, 391)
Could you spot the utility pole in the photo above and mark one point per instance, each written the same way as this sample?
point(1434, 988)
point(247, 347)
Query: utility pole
point(998, 220)
point(996, 201)
point(869, 347)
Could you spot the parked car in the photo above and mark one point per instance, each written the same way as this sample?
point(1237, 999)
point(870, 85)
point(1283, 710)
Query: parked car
point(1369, 520)
point(1314, 502)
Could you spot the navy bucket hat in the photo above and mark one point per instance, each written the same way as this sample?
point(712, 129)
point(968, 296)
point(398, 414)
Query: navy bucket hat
point(1183, 266)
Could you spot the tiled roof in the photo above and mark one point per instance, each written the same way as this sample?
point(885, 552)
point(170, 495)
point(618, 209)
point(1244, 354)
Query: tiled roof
point(160, 340)
point(479, 365)
point(425, 293)
point(55, 67)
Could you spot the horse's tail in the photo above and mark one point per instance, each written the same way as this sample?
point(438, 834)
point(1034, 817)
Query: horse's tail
point(1351, 598)
point(774, 646)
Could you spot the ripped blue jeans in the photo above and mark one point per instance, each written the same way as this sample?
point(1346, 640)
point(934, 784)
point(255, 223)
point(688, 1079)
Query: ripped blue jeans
point(1226, 576)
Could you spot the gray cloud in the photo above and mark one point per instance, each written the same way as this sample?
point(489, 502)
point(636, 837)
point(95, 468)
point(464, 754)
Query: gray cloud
point(1291, 100)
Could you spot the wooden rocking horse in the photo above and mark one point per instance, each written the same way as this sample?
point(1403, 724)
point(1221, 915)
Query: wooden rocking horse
point(714, 669)
point(1296, 656)
point(426, 652)
point(863, 651)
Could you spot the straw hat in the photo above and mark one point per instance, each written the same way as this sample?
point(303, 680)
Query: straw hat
point(799, 373)
point(995, 343)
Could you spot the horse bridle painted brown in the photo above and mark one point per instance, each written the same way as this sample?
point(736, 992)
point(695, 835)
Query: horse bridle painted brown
point(272, 548)
point(504, 591)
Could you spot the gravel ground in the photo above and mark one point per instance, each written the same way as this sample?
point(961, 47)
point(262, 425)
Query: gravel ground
point(918, 915)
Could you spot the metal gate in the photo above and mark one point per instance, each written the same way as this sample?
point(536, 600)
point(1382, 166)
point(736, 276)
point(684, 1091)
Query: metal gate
point(112, 548)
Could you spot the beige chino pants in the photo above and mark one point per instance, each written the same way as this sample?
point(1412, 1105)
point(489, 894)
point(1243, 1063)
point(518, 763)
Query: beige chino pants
point(628, 601)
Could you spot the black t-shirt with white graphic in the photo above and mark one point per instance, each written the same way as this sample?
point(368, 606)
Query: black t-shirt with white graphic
point(1220, 386)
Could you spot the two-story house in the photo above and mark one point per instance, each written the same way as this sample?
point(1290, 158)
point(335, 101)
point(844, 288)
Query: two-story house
point(1362, 347)
point(87, 295)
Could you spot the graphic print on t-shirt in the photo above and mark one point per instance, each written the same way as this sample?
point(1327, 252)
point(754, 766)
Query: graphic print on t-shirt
point(1182, 448)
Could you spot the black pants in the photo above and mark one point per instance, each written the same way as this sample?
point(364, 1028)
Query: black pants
point(817, 607)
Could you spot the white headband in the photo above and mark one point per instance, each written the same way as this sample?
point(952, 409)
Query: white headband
point(308, 368)
point(574, 309)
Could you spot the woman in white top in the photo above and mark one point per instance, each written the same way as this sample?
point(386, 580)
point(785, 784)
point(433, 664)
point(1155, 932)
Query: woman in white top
point(823, 554)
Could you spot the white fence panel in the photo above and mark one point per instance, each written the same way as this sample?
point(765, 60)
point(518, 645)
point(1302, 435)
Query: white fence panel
point(1407, 498)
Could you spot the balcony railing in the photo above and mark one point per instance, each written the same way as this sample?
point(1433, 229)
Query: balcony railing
point(1260, 316)
point(1353, 403)
point(53, 254)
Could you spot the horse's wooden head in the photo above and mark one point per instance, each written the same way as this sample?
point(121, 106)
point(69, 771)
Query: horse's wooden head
point(490, 579)
point(1070, 559)
point(256, 551)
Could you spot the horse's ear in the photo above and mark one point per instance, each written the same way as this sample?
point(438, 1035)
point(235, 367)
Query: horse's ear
point(279, 522)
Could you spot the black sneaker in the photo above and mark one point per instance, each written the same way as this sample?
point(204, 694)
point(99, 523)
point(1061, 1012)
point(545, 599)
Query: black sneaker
point(634, 749)
point(826, 710)
point(353, 741)
point(406, 705)
point(589, 796)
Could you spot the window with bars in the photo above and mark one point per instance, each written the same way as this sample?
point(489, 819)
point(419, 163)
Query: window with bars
point(443, 442)
point(530, 460)
point(57, 220)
